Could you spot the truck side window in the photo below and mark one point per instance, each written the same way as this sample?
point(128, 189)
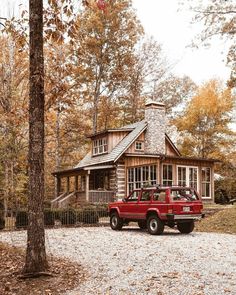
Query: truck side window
point(133, 197)
point(146, 196)
point(159, 196)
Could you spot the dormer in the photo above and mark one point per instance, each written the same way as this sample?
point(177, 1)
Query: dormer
point(104, 142)
point(100, 145)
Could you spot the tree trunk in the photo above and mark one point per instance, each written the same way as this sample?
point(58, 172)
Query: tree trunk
point(36, 260)
point(95, 113)
point(6, 190)
point(57, 154)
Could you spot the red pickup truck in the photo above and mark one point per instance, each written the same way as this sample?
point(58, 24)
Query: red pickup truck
point(155, 207)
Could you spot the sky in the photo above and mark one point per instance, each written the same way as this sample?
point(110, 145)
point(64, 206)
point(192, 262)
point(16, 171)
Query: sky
point(171, 28)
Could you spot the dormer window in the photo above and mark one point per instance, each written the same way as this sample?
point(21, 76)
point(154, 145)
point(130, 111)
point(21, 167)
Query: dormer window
point(100, 146)
point(139, 145)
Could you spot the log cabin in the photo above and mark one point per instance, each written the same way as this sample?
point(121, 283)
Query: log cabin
point(133, 156)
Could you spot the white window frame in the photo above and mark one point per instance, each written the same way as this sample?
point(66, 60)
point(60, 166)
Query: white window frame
point(141, 182)
point(139, 142)
point(100, 146)
point(204, 182)
point(162, 174)
point(187, 175)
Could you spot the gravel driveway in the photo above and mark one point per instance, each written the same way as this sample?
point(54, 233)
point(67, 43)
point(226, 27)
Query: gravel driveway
point(133, 262)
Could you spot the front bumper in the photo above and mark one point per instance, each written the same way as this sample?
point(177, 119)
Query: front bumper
point(171, 217)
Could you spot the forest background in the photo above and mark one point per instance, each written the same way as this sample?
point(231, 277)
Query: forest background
point(100, 68)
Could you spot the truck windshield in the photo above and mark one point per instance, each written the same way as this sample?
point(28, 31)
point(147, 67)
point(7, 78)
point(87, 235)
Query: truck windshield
point(183, 195)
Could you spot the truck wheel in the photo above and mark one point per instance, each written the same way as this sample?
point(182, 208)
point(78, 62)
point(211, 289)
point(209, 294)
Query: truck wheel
point(154, 225)
point(116, 222)
point(142, 224)
point(186, 227)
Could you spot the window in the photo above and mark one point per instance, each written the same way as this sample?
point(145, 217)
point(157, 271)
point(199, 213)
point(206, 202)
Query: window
point(100, 179)
point(183, 194)
point(133, 197)
point(206, 182)
point(100, 146)
point(159, 196)
point(142, 177)
point(139, 145)
point(188, 176)
point(146, 195)
point(167, 175)
point(193, 177)
point(182, 176)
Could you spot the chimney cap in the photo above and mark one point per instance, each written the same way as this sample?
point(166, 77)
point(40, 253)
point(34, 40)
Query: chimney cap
point(154, 104)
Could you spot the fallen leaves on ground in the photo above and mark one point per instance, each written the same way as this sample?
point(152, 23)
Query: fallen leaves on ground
point(65, 275)
point(223, 222)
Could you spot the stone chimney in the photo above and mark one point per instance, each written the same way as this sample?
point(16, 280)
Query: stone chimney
point(155, 132)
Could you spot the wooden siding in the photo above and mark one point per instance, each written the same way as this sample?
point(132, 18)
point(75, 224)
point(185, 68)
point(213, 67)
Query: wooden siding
point(113, 179)
point(132, 149)
point(170, 150)
point(114, 138)
point(120, 180)
point(140, 161)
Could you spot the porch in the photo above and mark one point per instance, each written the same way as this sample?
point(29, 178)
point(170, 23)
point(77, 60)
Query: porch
point(94, 185)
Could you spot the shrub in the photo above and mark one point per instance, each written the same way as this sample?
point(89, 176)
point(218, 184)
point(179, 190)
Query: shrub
point(49, 218)
point(21, 219)
point(88, 216)
point(103, 212)
point(57, 214)
point(2, 223)
point(68, 217)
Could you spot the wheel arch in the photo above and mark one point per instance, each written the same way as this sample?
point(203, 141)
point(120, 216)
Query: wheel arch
point(114, 210)
point(152, 212)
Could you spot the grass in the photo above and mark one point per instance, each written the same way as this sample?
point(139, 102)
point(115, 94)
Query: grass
point(223, 221)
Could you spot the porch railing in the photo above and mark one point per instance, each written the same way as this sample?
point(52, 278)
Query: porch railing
point(101, 196)
point(95, 196)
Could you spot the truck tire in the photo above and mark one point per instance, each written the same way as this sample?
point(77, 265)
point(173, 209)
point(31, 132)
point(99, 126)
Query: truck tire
point(186, 227)
point(142, 224)
point(116, 222)
point(154, 225)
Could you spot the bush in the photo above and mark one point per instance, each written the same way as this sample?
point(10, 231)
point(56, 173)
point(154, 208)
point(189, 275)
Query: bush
point(57, 214)
point(21, 219)
point(2, 223)
point(49, 218)
point(88, 216)
point(68, 217)
point(103, 212)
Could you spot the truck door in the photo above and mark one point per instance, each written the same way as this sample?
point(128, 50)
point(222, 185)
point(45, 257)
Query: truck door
point(129, 206)
point(144, 203)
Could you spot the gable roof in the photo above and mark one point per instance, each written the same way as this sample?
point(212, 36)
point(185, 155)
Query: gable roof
point(128, 128)
point(118, 150)
point(172, 145)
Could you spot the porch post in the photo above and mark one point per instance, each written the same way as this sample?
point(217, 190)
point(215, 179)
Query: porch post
point(68, 184)
point(87, 186)
point(212, 184)
point(76, 183)
point(58, 186)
